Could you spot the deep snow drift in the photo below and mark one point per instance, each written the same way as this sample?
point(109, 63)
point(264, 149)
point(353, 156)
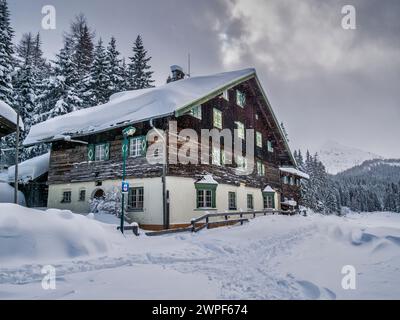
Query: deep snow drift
point(272, 257)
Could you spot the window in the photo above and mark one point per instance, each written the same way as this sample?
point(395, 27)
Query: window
point(205, 198)
point(269, 146)
point(256, 116)
point(98, 152)
point(135, 199)
point(259, 139)
point(82, 195)
point(196, 112)
point(286, 180)
point(260, 168)
point(232, 201)
point(241, 163)
point(217, 118)
point(66, 197)
point(137, 146)
point(291, 179)
point(225, 95)
point(250, 202)
point(269, 201)
point(240, 129)
point(216, 156)
point(298, 182)
point(240, 98)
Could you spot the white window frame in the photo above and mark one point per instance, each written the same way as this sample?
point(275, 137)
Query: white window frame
point(100, 152)
point(135, 147)
point(217, 118)
point(259, 139)
point(240, 129)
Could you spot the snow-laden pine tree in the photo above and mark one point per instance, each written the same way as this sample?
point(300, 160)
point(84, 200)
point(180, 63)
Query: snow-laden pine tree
point(81, 52)
point(62, 87)
point(115, 71)
point(98, 81)
point(140, 73)
point(6, 55)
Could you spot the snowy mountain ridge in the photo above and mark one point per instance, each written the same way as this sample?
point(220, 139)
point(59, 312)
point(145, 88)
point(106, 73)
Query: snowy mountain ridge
point(338, 158)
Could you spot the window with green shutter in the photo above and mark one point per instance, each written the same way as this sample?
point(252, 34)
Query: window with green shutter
point(205, 196)
point(137, 146)
point(269, 200)
point(102, 152)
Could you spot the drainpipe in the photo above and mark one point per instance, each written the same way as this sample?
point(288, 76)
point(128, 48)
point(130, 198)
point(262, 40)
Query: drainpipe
point(163, 179)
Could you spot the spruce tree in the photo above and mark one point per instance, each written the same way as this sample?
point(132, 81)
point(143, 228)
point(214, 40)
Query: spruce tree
point(139, 68)
point(6, 55)
point(115, 71)
point(99, 81)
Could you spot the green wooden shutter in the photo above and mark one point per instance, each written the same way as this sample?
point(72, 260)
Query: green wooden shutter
point(106, 151)
point(91, 152)
point(144, 145)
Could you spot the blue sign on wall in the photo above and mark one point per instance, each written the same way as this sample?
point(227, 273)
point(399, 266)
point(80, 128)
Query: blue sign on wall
point(125, 187)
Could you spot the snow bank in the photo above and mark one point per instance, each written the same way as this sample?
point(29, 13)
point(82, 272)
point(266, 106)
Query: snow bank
point(28, 234)
point(9, 113)
point(7, 194)
point(30, 169)
point(134, 106)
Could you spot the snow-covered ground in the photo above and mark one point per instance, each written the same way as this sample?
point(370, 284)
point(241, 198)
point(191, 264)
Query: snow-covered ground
point(272, 257)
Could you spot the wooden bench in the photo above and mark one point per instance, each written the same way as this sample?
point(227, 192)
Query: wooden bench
point(135, 229)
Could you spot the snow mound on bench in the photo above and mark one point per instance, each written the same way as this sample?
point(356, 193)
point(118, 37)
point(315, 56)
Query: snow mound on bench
point(31, 235)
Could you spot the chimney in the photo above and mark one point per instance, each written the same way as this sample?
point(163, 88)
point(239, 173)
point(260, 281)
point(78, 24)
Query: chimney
point(177, 74)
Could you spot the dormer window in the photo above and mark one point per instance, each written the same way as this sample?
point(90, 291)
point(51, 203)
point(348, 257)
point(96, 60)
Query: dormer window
point(240, 98)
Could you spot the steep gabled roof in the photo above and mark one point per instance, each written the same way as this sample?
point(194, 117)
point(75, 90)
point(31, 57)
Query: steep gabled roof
point(130, 107)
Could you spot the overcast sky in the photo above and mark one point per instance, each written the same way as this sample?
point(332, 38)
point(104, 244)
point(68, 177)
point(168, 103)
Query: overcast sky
point(324, 82)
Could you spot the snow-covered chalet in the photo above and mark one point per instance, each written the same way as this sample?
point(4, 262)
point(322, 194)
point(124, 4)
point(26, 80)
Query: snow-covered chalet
point(86, 159)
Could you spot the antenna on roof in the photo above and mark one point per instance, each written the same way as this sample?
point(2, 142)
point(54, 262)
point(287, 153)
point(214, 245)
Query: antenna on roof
point(188, 74)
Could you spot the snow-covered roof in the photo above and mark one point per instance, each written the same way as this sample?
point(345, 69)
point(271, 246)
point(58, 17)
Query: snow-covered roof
point(9, 114)
point(295, 172)
point(134, 106)
point(291, 203)
point(30, 169)
point(207, 179)
point(268, 189)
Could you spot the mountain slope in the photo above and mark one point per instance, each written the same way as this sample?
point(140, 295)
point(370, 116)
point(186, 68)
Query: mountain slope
point(337, 157)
